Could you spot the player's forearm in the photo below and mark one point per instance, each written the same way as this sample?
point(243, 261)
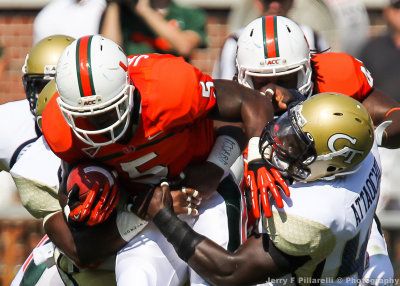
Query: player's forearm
point(236, 103)
point(383, 108)
point(84, 246)
point(183, 42)
point(208, 259)
point(111, 27)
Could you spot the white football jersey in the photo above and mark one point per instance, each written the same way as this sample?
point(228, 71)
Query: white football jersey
point(330, 222)
point(17, 131)
point(36, 175)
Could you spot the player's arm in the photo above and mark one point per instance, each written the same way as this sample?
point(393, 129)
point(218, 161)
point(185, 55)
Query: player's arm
point(383, 108)
point(183, 41)
point(255, 261)
point(83, 244)
point(228, 146)
point(87, 245)
point(237, 103)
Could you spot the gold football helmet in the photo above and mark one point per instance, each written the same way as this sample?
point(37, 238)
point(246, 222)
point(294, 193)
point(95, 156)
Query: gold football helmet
point(43, 99)
point(323, 137)
point(40, 65)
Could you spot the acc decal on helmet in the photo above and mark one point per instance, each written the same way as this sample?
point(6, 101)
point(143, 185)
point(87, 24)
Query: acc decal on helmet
point(325, 136)
point(40, 65)
point(92, 80)
point(274, 46)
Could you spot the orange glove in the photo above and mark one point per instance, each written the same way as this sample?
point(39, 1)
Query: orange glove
point(92, 211)
point(261, 178)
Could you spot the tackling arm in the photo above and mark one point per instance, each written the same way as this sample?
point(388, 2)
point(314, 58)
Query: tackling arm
point(237, 103)
point(383, 108)
point(84, 246)
point(250, 264)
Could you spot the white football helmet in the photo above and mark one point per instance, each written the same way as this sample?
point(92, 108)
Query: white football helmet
point(96, 95)
point(274, 46)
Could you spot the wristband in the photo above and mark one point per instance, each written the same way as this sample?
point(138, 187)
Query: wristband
point(129, 225)
point(224, 152)
point(182, 237)
point(253, 151)
point(391, 110)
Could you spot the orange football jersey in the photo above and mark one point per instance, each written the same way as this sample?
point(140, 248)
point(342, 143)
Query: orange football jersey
point(173, 129)
point(342, 73)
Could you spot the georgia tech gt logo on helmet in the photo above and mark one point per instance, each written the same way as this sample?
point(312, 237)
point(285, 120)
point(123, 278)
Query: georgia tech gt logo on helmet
point(347, 152)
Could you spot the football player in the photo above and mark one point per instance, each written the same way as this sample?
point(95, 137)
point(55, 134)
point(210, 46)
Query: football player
point(273, 54)
point(22, 131)
point(38, 70)
point(147, 116)
point(321, 234)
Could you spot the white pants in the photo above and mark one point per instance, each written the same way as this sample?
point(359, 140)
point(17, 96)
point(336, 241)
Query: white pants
point(37, 275)
point(149, 259)
point(380, 269)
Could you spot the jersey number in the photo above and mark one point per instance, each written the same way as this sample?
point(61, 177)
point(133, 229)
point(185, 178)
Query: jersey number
point(351, 262)
point(149, 176)
point(207, 88)
point(367, 75)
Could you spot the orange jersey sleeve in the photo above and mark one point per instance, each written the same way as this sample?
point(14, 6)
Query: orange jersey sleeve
point(173, 92)
point(342, 73)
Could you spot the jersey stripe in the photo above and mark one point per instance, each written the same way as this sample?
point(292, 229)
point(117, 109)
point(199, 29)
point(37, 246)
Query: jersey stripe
point(84, 68)
point(270, 37)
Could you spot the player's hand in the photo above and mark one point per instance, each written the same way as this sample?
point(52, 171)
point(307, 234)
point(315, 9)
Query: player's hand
point(261, 180)
point(142, 7)
point(186, 201)
point(193, 177)
point(97, 207)
point(148, 203)
point(280, 97)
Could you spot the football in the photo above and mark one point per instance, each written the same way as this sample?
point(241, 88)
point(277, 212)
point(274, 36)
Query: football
point(86, 174)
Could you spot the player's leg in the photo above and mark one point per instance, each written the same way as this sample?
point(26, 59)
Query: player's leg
point(40, 274)
point(380, 269)
point(149, 259)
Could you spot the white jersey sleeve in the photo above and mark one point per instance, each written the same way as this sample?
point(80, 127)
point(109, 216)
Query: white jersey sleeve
point(330, 222)
point(17, 130)
point(36, 175)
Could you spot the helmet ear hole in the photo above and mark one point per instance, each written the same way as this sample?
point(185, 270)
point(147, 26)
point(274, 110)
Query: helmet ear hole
point(331, 169)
